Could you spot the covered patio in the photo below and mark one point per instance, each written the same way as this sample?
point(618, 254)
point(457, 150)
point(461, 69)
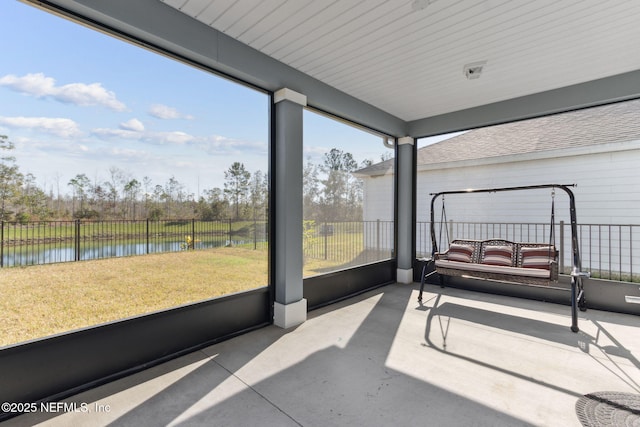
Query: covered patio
point(355, 347)
point(381, 358)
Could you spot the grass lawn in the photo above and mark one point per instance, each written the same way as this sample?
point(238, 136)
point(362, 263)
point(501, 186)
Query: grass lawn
point(38, 301)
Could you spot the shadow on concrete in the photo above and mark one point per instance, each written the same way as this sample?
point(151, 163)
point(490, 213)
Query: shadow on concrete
point(332, 386)
point(525, 326)
point(361, 355)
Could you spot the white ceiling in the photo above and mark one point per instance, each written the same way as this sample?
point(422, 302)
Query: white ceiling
point(407, 56)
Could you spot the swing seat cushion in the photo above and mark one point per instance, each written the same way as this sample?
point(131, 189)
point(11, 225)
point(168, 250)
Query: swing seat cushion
point(469, 269)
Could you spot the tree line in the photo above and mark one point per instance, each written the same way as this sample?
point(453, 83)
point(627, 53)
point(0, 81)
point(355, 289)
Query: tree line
point(331, 193)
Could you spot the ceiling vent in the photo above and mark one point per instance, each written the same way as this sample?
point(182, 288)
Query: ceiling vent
point(420, 4)
point(474, 70)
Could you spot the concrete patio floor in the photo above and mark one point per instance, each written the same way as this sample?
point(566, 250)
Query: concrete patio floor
point(380, 359)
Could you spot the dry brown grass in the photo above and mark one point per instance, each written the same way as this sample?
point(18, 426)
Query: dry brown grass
point(38, 301)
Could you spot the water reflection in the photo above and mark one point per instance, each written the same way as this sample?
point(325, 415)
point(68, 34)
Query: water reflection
point(58, 254)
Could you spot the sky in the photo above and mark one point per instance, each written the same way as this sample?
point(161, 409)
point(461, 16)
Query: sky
point(74, 100)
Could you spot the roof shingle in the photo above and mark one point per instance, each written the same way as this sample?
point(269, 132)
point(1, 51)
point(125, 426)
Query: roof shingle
point(613, 123)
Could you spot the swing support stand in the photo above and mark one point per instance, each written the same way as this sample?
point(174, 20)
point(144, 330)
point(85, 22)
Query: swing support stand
point(577, 289)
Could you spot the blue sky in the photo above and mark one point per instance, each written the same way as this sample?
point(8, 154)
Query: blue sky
point(74, 100)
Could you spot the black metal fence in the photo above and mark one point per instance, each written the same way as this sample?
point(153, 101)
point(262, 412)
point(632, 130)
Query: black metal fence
point(607, 251)
point(47, 242)
point(349, 242)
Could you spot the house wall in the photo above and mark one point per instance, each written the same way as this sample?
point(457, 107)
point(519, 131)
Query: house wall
point(607, 192)
point(378, 206)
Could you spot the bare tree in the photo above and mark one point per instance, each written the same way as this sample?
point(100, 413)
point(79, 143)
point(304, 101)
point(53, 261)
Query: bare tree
point(10, 179)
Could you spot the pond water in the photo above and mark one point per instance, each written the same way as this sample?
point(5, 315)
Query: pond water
point(16, 256)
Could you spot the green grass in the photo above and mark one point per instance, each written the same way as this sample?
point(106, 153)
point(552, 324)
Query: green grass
point(43, 300)
point(38, 301)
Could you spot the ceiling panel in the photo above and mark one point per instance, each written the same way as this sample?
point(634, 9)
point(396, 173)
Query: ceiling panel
point(292, 27)
point(407, 56)
point(322, 30)
point(210, 11)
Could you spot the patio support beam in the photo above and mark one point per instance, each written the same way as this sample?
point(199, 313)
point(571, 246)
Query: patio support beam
point(290, 308)
point(616, 88)
point(405, 215)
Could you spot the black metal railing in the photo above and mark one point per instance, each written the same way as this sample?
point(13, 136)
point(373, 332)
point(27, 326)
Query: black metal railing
point(354, 242)
point(45, 242)
point(607, 251)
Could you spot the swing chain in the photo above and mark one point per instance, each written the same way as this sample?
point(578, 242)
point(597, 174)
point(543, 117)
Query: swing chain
point(443, 222)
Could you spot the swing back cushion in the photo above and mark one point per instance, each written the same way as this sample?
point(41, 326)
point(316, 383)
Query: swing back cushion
point(540, 257)
point(498, 255)
point(459, 252)
point(498, 259)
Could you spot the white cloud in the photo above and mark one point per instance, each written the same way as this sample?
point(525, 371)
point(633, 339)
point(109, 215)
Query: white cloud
point(216, 144)
point(32, 84)
point(213, 145)
point(82, 94)
point(173, 137)
point(126, 154)
point(107, 133)
point(165, 112)
point(159, 138)
point(133, 125)
point(314, 153)
point(65, 128)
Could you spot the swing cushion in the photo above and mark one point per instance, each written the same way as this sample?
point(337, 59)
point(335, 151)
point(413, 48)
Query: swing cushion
point(540, 266)
point(498, 255)
point(460, 253)
point(454, 268)
point(538, 257)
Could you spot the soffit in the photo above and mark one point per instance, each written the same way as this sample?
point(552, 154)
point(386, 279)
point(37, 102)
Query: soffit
point(406, 57)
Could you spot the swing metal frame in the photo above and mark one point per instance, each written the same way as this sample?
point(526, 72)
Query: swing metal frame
point(577, 275)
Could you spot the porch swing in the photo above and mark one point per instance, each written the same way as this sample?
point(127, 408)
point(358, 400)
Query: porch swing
point(504, 261)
